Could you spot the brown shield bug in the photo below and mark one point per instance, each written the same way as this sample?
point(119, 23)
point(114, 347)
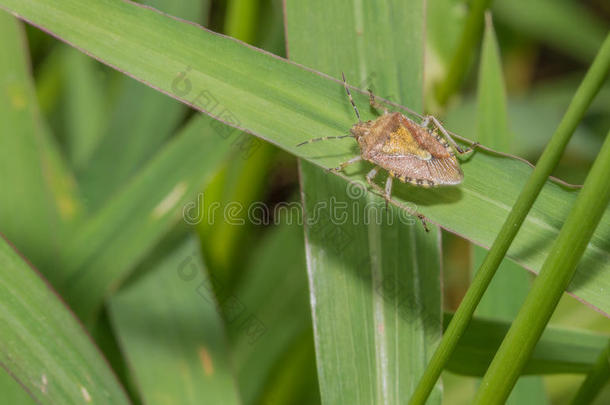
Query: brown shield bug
point(411, 152)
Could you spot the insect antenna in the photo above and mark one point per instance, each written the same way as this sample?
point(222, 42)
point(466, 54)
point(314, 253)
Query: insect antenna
point(350, 97)
point(324, 138)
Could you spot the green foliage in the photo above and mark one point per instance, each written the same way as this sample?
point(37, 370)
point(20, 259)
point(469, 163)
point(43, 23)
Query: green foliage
point(312, 105)
point(137, 212)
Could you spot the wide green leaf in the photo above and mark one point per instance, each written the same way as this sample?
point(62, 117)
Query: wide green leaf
point(374, 292)
point(377, 314)
point(287, 103)
point(43, 346)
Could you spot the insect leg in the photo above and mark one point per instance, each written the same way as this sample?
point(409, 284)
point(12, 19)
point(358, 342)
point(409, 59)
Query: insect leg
point(425, 122)
point(388, 190)
point(423, 222)
point(350, 96)
point(375, 104)
point(324, 138)
point(345, 164)
point(369, 179)
point(459, 151)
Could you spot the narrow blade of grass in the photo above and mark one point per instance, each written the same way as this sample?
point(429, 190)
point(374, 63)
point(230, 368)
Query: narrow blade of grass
point(492, 121)
point(471, 31)
point(85, 108)
point(509, 287)
point(585, 93)
point(172, 334)
point(287, 104)
point(67, 368)
point(596, 379)
point(555, 275)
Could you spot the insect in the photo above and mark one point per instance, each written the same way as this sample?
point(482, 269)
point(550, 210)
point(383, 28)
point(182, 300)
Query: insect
point(410, 152)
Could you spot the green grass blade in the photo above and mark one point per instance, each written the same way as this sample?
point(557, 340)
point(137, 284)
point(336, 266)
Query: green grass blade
point(286, 104)
point(274, 292)
point(241, 19)
point(67, 368)
point(551, 155)
point(461, 57)
point(559, 351)
point(37, 192)
point(172, 334)
point(492, 120)
point(377, 314)
point(375, 296)
point(444, 21)
point(596, 379)
point(241, 182)
point(85, 108)
point(49, 84)
point(555, 275)
point(509, 287)
point(108, 245)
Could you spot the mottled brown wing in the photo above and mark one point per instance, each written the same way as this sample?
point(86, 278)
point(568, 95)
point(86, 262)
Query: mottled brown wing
point(431, 172)
point(414, 154)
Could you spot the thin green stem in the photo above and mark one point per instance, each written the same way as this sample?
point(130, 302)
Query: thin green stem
point(596, 379)
point(241, 19)
point(555, 275)
point(547, 162)
point(461, 58)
